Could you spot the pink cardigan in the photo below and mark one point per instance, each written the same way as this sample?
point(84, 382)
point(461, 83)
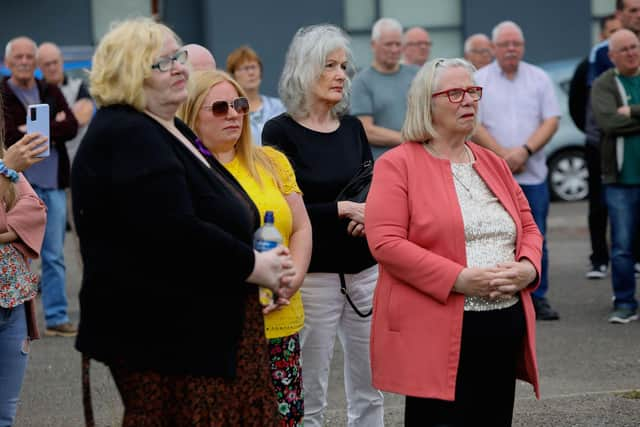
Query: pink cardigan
point(27, 219)
point(415, 230)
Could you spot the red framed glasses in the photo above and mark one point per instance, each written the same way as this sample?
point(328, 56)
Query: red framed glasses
point(456, 94)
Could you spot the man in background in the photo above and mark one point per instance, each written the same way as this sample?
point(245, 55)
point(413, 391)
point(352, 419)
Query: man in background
point(416, 46)
point(477, 50)
point(379, 96)
point(50, 177)
point(200, 57)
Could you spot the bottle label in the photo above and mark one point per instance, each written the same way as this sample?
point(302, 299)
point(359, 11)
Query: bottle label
point(264, 245)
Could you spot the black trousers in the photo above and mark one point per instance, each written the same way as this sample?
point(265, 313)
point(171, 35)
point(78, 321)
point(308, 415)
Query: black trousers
point(485, 387)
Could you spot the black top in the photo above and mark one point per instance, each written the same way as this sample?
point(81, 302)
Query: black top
point(324, 163)
point(166, 247)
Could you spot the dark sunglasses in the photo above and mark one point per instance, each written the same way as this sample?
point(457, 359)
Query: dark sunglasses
point(221, 108)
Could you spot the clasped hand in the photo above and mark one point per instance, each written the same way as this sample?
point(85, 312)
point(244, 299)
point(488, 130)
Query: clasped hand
point(274, 269)
point(355, 212)
point(505, 279)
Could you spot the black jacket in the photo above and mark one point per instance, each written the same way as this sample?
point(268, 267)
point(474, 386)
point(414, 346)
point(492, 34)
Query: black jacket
point(166, 247)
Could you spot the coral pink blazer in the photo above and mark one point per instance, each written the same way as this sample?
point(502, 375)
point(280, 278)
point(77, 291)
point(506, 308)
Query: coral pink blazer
point(415, 230)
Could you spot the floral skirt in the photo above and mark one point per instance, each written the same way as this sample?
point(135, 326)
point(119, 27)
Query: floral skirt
point(154, 399)
point(286, 374)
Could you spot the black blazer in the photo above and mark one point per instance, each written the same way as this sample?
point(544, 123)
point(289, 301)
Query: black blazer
point(166, 247)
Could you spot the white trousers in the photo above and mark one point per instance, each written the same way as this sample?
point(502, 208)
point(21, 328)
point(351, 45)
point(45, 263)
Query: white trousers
point(326, 313)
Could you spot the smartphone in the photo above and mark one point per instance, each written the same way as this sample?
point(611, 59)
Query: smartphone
point(38, 121)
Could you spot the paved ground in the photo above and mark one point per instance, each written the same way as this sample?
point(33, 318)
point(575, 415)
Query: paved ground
point(587, 366)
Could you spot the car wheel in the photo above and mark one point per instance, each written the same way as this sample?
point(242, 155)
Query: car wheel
point(568, 176)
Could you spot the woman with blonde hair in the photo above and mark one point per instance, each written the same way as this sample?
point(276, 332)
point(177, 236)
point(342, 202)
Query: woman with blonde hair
point(216, 109)
point(169, 296)
point(22, 226)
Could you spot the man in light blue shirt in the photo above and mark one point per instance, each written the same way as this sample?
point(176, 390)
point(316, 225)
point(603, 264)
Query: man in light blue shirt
point(519, 114)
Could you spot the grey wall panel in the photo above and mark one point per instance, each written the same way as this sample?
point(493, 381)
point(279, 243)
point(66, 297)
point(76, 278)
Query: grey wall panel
point(267, 26)
point(185, 18)
point(553, 29)
point(65, 23)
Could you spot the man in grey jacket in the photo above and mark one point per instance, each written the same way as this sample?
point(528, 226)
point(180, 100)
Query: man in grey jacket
point(615, 100)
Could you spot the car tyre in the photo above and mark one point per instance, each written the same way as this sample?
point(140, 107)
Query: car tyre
point(568, 175)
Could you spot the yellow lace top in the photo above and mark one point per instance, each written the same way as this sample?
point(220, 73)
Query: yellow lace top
point(268, 197)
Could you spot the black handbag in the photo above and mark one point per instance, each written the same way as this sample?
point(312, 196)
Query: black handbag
point(357, 188)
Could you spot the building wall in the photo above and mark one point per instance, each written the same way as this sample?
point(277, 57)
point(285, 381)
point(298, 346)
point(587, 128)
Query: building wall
point(47, 21)
point(267, 26)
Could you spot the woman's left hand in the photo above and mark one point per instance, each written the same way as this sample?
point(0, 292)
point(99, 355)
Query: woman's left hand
point(277, 305)
point(514, 277)
point(355, 229)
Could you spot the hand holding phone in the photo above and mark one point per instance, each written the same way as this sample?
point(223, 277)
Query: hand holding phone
point(38, 121)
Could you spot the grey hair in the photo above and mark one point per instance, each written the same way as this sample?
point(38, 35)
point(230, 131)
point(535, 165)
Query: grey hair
point(385, 24)
point(304, 64)
point(418, 123)
point(503, 25)
point(7, 48)
point(470, 39)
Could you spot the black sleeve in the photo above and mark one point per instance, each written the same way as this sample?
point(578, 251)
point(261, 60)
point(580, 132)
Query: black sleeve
point(578, 95)
point(83, 92)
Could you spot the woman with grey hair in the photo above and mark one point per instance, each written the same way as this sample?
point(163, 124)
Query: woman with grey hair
point(454, 324)
point(327, 148)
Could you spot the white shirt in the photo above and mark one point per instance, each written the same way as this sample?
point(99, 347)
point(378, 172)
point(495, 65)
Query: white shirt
point(512, 110)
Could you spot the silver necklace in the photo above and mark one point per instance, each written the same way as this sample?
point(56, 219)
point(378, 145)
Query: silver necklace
point(432, 149)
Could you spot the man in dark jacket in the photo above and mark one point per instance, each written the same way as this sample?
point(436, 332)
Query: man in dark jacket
point(615, 100)
point(50, 177)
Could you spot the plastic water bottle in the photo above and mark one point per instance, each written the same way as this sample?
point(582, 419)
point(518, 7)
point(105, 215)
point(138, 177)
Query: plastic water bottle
point(266, 238)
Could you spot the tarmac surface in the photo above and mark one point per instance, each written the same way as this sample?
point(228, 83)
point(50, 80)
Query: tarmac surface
point(589, 369)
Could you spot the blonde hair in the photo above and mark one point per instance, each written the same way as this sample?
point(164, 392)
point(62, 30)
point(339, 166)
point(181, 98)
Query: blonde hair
point(249, 155)
point(418, 123)
point(11, 194)
point(123, 60)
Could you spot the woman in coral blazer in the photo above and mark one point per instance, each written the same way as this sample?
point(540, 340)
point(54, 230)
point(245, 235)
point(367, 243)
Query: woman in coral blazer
point(459, 254)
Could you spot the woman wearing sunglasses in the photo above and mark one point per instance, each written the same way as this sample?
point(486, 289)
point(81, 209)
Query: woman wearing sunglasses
point(169, 300)
point(327, 148)
point(459, 255)
point(217, 110)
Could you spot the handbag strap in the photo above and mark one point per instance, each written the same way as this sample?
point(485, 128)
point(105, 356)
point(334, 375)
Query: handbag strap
point(343, 291)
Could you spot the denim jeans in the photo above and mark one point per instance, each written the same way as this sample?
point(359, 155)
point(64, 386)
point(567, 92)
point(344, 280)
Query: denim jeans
point(623, 202)
point(538, 197)
point(54, 297)
point(13, 360)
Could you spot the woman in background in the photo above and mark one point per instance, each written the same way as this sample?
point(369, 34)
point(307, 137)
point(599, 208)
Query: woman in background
point(216, 109)
point(245, 67)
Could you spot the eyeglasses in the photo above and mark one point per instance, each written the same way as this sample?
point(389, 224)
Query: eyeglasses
point(456, 95)
point(247, 68)
point(481, 51)
point(221, 108)
point(418, 44)
point(166, 64)
point(510, 43)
